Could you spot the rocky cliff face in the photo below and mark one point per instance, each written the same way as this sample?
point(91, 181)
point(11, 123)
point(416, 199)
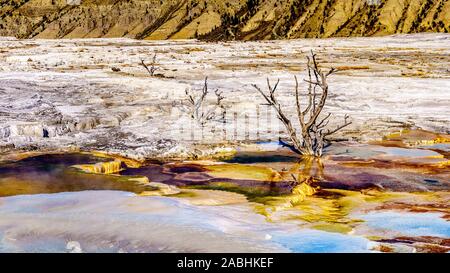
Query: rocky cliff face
point(218, 19)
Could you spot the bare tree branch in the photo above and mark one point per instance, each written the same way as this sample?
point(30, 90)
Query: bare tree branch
point(153, 66)
point(313, 132)
point(201, 113)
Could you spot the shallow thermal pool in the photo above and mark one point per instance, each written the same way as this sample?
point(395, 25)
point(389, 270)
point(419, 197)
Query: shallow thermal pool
point(48, 205)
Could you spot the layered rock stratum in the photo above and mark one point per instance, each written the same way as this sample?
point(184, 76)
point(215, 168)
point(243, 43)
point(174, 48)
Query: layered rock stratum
point(219, 20)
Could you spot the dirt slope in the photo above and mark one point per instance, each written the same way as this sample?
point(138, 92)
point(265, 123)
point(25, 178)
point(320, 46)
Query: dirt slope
point(219, 19)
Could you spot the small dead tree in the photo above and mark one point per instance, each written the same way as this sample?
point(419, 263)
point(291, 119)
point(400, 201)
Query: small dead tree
point(153, 66)
point(219, 104)
point(314, 131)
point(199, 111)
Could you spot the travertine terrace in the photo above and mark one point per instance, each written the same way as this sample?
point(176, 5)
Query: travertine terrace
point(61, 94)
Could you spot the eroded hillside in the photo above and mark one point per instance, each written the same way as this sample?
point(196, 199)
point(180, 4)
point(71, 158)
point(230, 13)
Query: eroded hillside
point(217, 20)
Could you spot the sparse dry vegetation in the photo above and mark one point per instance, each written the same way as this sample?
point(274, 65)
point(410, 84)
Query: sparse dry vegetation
point(198, 108)
point(153, 66)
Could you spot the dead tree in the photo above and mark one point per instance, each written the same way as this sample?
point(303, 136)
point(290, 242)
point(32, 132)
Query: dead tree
point(219, 104)
point(201, 112)
point(313, 127)
point(153, 66)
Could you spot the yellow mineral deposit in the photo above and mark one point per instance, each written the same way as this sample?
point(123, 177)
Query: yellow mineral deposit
point(102, 167)
point(335, 214)
point(307, 168)
point(274, 204)
point(129, 162)
point(304, 172)
point(245, 172)
point(300, 192)
point(409, 138)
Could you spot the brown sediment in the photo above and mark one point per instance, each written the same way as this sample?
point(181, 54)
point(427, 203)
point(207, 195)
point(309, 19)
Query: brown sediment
point(418, 208)
point(183, 168)
point(193, 177)
point(362, 180)
point(186, 171)
point(384, 248)
point(430, 248)
point(424, 244)
point(412, 138)
point(355, 67)
point(384, 164)
point(384, 176)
